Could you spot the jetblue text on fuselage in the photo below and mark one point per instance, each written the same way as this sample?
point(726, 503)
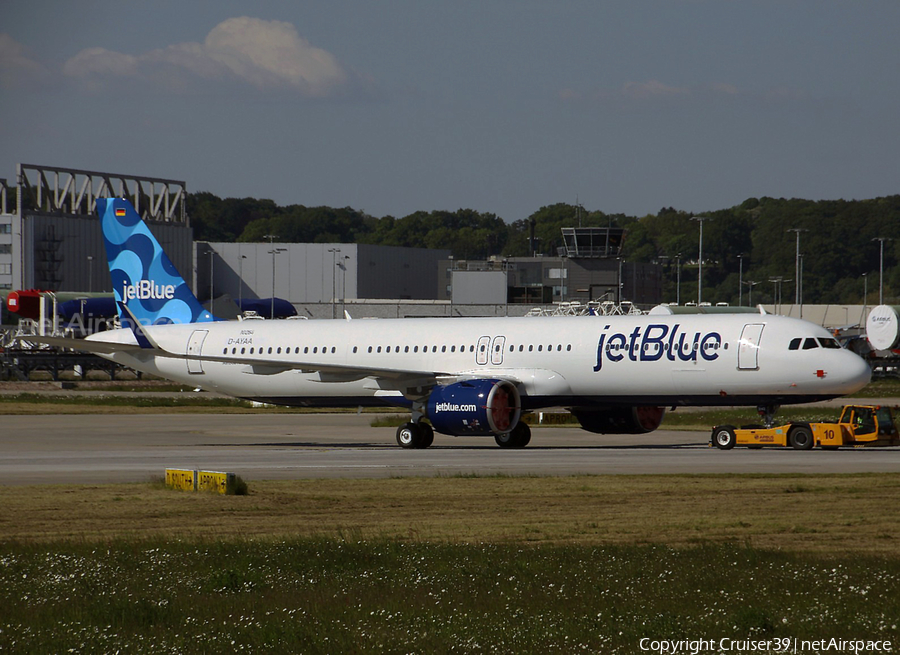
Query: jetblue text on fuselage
point(148, 290)
point(451, 407)
point(653, 342)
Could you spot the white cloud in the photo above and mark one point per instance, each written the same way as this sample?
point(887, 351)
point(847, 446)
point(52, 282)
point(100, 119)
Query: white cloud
point(266, 54)
point(101, 62)
point(651, 89)
point(16, 67)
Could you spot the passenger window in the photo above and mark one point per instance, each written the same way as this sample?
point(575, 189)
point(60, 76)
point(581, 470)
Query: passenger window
point(530, 348)
point(406, 349)
point(443, 349)
point(251, 351)
point(354, 350)
point(521, 347)
point(279, 350)
point(540, 347)
point(379, 349)
point(315, 349)
point(569, 347)
point(434, 349)
point(810, 343)
point(332, 350)
point(415, 349)
point(512, 348)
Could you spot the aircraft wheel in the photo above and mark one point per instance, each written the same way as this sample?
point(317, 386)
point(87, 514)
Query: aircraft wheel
point(723, 437)
point(426, 435)
point(518, 437)
point(801, 438)
point(522, 433)
point(409, 435)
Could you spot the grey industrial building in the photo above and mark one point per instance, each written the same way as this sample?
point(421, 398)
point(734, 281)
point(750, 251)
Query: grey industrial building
point(316, 273)
point(588, 267)
point(52, 240)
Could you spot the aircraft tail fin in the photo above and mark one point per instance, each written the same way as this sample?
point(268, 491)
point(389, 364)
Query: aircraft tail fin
point(144, 278)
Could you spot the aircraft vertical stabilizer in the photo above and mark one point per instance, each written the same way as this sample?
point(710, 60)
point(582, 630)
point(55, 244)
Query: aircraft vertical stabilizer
point(143, 277)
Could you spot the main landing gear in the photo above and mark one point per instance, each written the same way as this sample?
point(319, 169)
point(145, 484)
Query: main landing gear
point(415, 435)
point(518, 437)
point(421, 435)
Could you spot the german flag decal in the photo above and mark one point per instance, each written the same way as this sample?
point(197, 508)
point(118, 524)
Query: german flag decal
point(120, 212)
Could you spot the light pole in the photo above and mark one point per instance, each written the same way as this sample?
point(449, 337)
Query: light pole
point(274, 251)
point(881, 269)
point(506, 281)
point(678, 279)
point(865, 277)
point(800, 285)
point(241, 259)
point(777, 281)
point(343, 266)
point(212, 289)
point(619, 284)
point(797, 231)
point(741, 280)
point(750, 284)
point(90, 259)
point(700, 219)
point(334, 252)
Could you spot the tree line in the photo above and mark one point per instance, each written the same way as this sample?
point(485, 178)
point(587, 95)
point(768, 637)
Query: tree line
point(754, 242)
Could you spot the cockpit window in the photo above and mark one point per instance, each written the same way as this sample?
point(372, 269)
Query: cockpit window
point(795, 344)
point(810, 343)
point(829, 343)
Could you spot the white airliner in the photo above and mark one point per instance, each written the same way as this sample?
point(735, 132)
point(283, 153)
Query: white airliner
point(466, 376)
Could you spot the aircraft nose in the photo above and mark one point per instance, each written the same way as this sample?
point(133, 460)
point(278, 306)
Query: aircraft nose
point(856, 373)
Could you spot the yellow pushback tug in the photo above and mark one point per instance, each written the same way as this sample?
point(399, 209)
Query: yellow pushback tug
point(859, 425)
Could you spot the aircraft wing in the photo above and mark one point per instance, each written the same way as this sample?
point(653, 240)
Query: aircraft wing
point(328, 373)
point(95, 347)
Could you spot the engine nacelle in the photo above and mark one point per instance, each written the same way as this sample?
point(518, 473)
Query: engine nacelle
point(474, 407)
point(621, 420)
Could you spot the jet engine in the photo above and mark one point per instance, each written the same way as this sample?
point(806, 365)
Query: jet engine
point(620, 420)
point(474, 407)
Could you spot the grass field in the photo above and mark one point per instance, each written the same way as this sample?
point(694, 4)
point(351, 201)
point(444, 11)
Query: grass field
point(449, 565)
point(461, 564)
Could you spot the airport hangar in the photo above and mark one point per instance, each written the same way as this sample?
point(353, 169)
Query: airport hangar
point(51, 240)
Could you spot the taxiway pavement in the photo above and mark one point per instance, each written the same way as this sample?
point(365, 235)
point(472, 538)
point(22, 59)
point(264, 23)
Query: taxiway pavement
point(85, 449)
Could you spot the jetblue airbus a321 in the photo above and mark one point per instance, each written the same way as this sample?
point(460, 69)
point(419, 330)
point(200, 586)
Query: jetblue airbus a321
point(463, 376)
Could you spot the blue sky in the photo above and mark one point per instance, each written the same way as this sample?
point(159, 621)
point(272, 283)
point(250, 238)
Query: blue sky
point(498, 106)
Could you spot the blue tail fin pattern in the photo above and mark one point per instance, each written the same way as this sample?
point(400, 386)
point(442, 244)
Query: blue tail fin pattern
point(143, 277)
